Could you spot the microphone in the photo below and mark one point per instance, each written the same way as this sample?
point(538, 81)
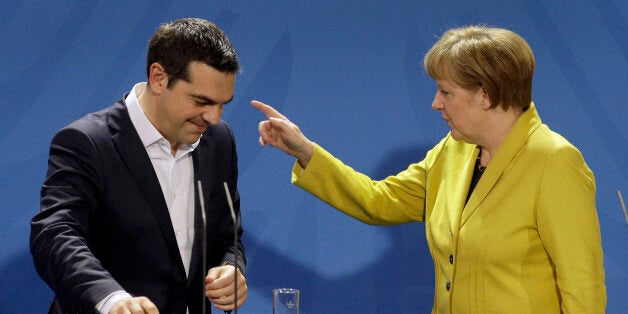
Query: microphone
point(235, 249)
point(204, 243)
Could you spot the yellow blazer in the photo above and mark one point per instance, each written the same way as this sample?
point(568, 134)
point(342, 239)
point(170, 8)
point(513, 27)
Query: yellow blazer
point(528, 239)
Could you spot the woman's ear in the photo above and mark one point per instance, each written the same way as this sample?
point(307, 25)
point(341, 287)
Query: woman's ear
point(486, 101)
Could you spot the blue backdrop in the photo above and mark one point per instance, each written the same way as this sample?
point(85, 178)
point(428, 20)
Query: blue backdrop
point(348, 73)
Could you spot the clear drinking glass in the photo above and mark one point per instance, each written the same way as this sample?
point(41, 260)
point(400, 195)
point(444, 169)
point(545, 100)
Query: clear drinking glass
point(286, 301)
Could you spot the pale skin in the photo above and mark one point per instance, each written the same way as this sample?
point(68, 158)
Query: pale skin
point(181, 114)
point(219, 287)
point(279, 132)
point(468, 113)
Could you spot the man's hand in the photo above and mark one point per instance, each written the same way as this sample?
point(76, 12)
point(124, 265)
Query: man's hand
point(137, 305)
point(219, 287)
point(279, 132)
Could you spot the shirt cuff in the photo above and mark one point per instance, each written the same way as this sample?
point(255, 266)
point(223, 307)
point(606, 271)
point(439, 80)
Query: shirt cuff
point(105, 305)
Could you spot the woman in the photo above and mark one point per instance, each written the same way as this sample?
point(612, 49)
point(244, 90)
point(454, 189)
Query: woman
point(509, 205)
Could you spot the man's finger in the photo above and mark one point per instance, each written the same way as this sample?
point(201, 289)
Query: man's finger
point(135, 305)
point(148, 306)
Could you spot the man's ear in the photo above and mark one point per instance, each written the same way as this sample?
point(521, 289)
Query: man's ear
point(157, 78)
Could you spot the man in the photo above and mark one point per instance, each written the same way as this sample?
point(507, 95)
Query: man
point(120, 227)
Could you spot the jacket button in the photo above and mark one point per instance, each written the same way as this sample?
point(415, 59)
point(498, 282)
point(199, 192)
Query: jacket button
point(451, 259)
point(448, 286)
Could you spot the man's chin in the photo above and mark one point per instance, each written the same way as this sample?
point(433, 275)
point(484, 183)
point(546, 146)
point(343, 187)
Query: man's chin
point(197, 138)
point(193, 139)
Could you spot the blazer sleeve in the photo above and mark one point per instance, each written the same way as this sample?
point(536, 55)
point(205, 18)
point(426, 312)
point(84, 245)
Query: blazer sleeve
point(394, 200)
point(569, 228)
point(59, 232)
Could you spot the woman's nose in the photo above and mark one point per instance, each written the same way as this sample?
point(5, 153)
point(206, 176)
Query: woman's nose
point(437, 104)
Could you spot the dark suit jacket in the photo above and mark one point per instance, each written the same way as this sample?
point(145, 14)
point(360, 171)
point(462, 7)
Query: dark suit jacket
point(104, 224)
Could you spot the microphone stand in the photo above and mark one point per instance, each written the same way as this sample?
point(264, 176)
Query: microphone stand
point(204, 243)
point(235, 249)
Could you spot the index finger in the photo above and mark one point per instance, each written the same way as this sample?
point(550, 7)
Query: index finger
point(269, 111)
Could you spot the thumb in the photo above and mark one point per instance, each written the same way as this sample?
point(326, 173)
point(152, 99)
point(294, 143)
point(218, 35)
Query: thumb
point(213, 274)
point(278, 123)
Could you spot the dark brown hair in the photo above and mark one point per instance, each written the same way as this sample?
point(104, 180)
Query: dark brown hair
point(175, 45)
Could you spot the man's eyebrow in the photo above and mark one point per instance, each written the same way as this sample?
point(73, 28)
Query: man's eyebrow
point(207, 100)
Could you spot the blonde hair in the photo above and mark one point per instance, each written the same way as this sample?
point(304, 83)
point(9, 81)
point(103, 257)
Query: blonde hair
point(495, 59)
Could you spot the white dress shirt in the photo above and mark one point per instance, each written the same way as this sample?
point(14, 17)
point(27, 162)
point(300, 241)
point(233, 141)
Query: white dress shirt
point(176, 178)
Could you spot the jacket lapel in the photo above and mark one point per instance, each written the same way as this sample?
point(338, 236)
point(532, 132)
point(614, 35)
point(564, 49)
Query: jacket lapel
point(131, 150)
point(460, 180)
point(527, 123)
point(203, 161)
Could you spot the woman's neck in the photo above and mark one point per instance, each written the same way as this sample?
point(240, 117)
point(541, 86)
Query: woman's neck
point(499, 123)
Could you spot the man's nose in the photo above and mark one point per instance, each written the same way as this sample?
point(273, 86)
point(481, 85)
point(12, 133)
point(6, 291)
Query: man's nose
point(212, 114)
